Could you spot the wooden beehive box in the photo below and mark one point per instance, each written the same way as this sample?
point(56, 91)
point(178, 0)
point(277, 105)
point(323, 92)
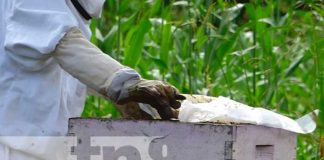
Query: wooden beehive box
point(106, 139)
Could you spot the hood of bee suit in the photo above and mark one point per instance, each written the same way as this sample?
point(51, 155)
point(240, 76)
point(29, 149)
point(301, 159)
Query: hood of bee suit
point(47, 19)
point(89, 8)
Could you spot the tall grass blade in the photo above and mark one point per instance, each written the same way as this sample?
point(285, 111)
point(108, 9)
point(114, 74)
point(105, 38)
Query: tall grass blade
point(133, 50)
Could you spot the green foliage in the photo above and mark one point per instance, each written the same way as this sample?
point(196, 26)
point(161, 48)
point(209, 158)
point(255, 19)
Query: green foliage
point(135, 43)
point(263, 53)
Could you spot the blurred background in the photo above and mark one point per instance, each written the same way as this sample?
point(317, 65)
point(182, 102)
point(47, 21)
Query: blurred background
point(265, 53)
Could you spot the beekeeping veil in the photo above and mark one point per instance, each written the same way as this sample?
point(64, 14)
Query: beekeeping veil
point(89, 8)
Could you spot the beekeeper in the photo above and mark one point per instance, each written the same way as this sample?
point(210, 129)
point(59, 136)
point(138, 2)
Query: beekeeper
point(47, 63)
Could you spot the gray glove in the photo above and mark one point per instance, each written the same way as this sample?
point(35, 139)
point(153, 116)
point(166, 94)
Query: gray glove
point(127, 86)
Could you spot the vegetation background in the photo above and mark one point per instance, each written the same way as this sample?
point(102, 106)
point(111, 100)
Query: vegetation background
point(265, 53)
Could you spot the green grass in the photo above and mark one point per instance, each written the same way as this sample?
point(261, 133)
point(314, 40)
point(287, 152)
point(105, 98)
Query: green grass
point(263, 53)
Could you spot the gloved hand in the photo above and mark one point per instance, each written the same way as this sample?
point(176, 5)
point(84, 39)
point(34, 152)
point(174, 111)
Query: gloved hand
point(160, 95)
point(127, 86)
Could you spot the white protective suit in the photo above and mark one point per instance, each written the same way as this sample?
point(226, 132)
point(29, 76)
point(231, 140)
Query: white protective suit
point(38, 93)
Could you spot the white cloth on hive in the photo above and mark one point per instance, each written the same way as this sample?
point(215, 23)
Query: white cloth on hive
point(225, 110)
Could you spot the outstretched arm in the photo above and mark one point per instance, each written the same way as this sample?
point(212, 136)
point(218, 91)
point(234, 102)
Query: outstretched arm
point(120, 84)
